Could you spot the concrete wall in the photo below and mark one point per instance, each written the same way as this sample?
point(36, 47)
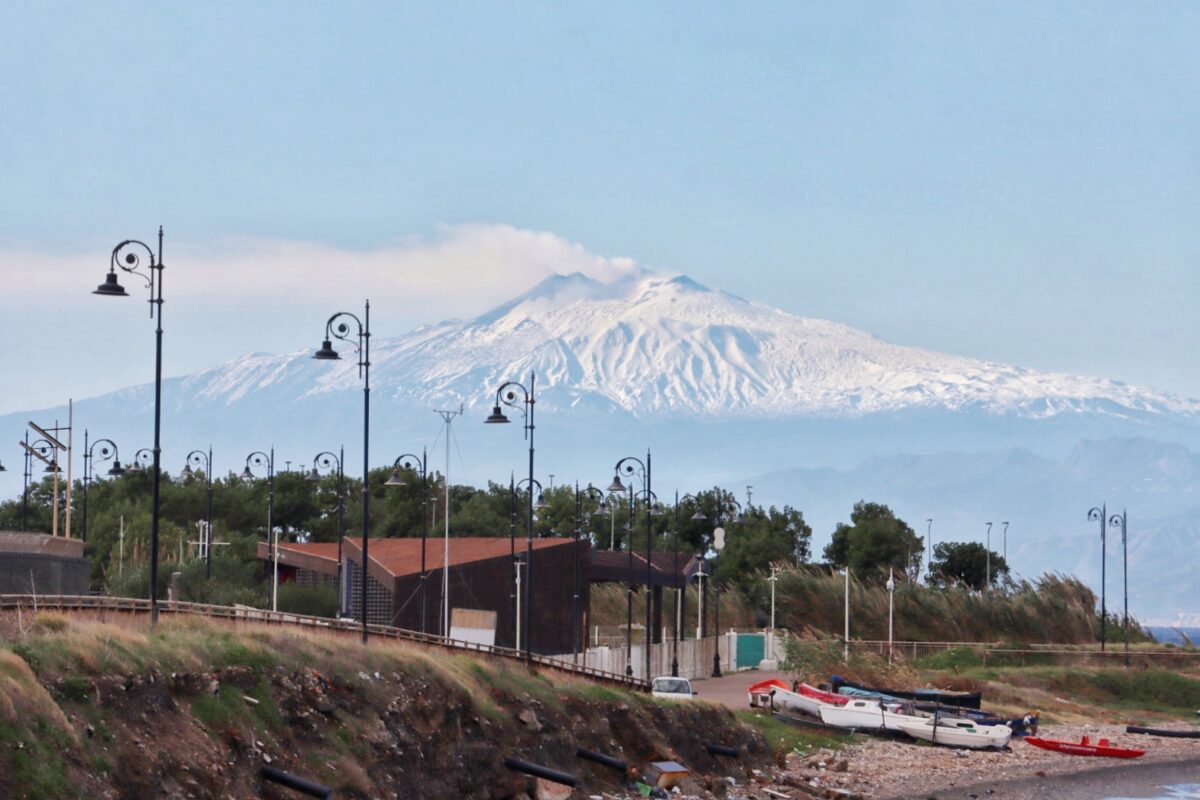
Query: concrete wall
point(37, 573)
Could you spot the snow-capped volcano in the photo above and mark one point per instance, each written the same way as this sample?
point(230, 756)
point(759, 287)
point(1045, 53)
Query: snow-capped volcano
point(655, 345)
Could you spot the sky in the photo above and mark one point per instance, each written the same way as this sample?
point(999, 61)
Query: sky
point(1010, 181)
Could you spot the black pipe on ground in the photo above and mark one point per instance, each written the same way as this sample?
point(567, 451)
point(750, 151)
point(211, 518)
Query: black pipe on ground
point(538, 771)
point(602, 759)
point(722, 750)
point(303, 785)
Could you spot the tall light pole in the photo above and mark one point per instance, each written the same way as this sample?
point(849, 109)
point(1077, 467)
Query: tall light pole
point(1005, 556)
point(774, 579)
point(1101, 514)
point(203, 460)
point(590, 493)
point(524, 402)
point(128, 256)
point(1115, 521)
point(327, 459)
point(629, 467)
point(891, 587)
point(108, 449)
point(929, 539)
point(722, 515)
point(537, 505)
point(361, 341)
point(846, 619)
point(419, 465)
point(987, 583)
point(260, 459)
point(680, 592)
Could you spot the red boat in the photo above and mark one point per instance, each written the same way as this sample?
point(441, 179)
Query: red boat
point(1085, 748)
point(803, 698)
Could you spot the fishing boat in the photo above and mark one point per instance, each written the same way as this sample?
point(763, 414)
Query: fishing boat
point(804, 698)
point(1178, 734)
point(1085, 748)
point(861, 714)
point(942, 696)
point(957, 732)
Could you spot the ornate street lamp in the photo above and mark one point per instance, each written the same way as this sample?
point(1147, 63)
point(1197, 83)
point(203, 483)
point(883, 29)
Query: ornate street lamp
point(524, 402)
point(127, 256)
point(327, 459)
point(108, 449)
point(539, 503)
point(260, 459)
point(1119, 520)
point(629, 467)
point(410, 461)
point(681, 591)
point(592, 493)
point(361, 341)
point(1101, 514)
point(203, 461)
point(718, 545)
point(140, 462)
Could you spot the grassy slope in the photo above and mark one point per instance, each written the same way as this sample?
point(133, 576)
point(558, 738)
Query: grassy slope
point(93, 709)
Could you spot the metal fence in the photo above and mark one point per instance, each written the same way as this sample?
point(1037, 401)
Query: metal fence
point(131, 605)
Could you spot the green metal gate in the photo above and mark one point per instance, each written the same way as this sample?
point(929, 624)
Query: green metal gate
point(751, 649)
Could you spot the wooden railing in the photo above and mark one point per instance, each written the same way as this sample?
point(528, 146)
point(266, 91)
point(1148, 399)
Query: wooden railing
point(131, 605)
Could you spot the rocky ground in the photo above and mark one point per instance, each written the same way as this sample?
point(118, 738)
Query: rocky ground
point(896, 769)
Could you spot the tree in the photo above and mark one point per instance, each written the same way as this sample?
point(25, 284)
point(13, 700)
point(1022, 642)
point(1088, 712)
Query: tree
point(874, 540)
point(765, 537)
point(966, 563)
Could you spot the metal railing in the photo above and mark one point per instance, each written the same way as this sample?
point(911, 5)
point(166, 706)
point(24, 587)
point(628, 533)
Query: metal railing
point(132, 605)
point(994, 650)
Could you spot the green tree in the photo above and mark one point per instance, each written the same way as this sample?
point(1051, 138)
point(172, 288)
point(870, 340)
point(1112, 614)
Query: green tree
point(875, 540)
point(966, 563)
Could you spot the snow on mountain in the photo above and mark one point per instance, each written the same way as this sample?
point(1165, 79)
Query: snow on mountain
point(655, 345)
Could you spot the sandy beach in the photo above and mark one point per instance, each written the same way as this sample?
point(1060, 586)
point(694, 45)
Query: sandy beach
point(895, 769)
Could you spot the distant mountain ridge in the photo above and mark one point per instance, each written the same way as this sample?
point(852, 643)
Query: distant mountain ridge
point(653, 346)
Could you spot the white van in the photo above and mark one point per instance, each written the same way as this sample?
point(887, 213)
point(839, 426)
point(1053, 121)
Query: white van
point(672, 688)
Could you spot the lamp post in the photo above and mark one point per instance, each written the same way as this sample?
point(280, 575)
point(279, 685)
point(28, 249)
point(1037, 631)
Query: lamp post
point(127, 256)
point(361, 341)
point(524, 402)
point(411, 461)
point(929, 539)
point(1115, 521)
point(630, 466)
point(891, 587)
point(718, 546)
point(987, 582)
point(327, 459)
point(108, 449)
point(524, 605)
point(1101, 514)
point(681, 591)
point(203, 461)
point(592, 493)
point(1005, 554)
point(261, 459)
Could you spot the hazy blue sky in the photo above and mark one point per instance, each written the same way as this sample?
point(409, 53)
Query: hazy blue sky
point(1014, 181)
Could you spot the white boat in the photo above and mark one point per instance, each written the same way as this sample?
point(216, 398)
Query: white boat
point(863, 714)
point(806, 699)
point(956, 732)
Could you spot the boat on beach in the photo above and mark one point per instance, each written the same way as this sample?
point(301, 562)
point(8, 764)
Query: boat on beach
point(942, 696)
point(957, 732)
point(804, 698)
point(1177, 734)
point(862, 714)
point(1084, 747)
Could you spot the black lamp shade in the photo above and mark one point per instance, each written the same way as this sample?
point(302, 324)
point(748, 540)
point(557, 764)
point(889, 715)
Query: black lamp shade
point(187, 471)
point(247, 474)
point(3, 468)
point(116, 469)
point(699, 515)
point(326, 353)
point(540, 503)
point(111, 287)
point(394, 479)
point(53, 467)
point(313, 475)
point(616, 485)
point(496, 416)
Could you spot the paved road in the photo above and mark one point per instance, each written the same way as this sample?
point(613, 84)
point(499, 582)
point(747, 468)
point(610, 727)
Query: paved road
point(730, 689)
